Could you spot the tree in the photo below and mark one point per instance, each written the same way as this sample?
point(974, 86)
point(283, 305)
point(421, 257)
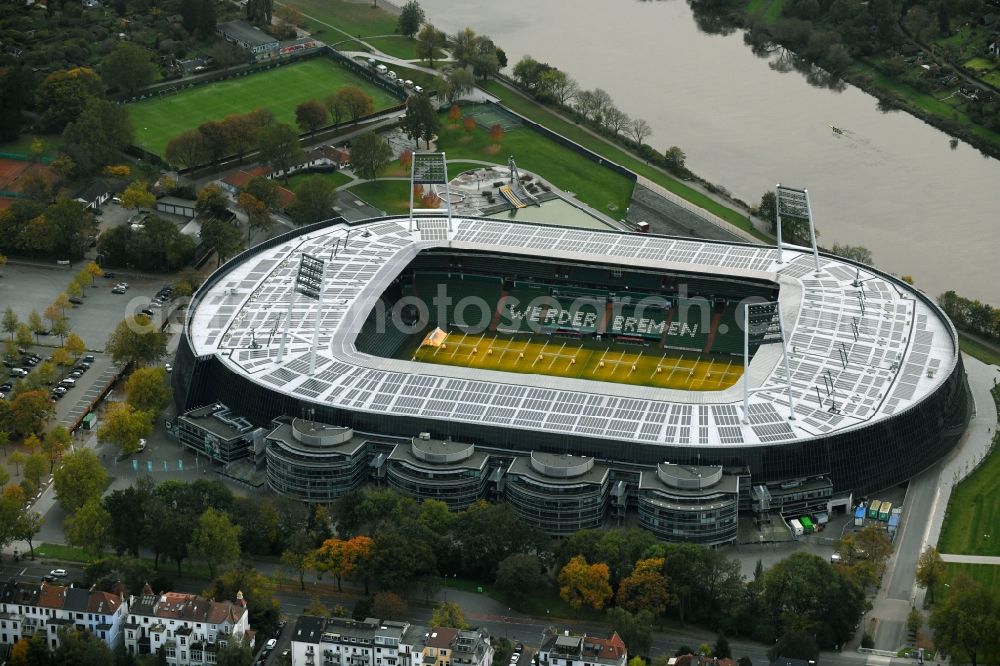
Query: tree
point(136, 340)
point(123, 426)
point(448, 614)
point(421, 120)
point(29, 524)
point(10, 321)
point(914, 620)
point(279, 147)
point(88, 527)
point(461, 81)
point(64, 94)
point(264, 190)
point(464, 47)
point(56, 443)
point(298, 555)
point(645, 588)
point(634, 629)
point(24, 337)
point(411, 16)
point(854, 252)
point(315, 198)
point(485, 64)
point(556, 84)
point(211, 199)
point(187, 149)
point(930, 570)
point(215, 138)
point(75, 345)
point(520, 575)
point(767, 208)
point(148, 390)
point(258, 215)
point(355, 102)
point(79, 479)
point(259, 12)
point(674, 159)
point(35, 467)
point(129, 67)
point(390, 606)
point(469, 123)
point(137, 195)
point(215, 539)
point(721, 648)
point(370, 154)
point(221, 237)
point(581, 583)
point(98, 135)
point(29, 410)
point(496, 133)
point(639, 129)
point(430, 41)
point(17, 459)
point(310, 116)
point(343, 558)
point(234, 653)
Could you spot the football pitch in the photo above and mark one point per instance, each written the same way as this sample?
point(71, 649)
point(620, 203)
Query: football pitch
point(281, 89)
point(568, 357)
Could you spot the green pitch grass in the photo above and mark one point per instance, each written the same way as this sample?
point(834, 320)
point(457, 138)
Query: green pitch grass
point(565, 357)
point(158, 120)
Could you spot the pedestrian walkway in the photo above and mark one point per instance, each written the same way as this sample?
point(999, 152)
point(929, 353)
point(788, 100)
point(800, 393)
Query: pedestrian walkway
point(970, 559)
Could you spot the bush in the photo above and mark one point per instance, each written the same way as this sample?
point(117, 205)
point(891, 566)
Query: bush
point(867, 641)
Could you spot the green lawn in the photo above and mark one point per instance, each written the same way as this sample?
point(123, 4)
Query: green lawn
point(981, 64)
point(987, 575)
point(418, 77)
point(158, 120)
point(541, 603)
point(359, 19)
point(543, 116)
point(974, 510)
point(336, 177)
point(980, 351)
point(397, 46)
point(392, 196)
point(773, 12)
point(593, 184)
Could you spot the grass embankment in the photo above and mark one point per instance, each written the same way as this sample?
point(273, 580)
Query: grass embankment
point(336, 177)
point(392, 196)
point(974, 509)
point(22, 144)
point(531, 109)
point(280, 90)
point(978, 350)
point(331, 19)
point(599, 187)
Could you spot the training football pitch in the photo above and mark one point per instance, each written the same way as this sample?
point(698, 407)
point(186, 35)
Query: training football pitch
point(569, 357)
point(160, 119)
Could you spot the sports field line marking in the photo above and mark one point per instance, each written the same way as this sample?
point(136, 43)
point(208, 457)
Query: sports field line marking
point(459, 345)
point(556, 355)
point(505, 348)
point(475, 347)
point(599, 361)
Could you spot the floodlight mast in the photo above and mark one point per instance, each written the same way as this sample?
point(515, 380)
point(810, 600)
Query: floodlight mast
point(802, 195)
point(429, 169)
point(288, 314)
point(319, 318)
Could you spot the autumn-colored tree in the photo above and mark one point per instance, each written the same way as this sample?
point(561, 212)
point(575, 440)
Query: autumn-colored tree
point(75, 345)
point(62, 302)
point(390, 606)
point(496, 133)
point(56, 443)
point(430, 200)
point(454, 113)
point(187, 149)
point(17, 459)
point(469, 123)
point(581, 583)
point(123, 425)
point(310, 116)
point(418, 191)
point(32, 443)
point(117, 170)
point(28, 412)
point(645, 588)
point(137, 195)
point(343, 558)
point(93, 270)
point(406, 159)
point(23, 335)
point(61, 356)
point(449, 614)
point(258, 214)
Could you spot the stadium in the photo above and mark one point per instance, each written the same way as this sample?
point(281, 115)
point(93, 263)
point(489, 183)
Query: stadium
point(586, 377)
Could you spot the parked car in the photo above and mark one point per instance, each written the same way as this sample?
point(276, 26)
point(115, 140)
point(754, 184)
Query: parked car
point(118, 290)
point(123, 285)
point(18, 372)
point(58, 573)
point(142, 446)
point(42, 331)
point(61, 390)
point(76, 300)
point(6, 387)
point(82, 367)
point(109, 275)
point(76, 374)
point(146, 311)
point(88, 358)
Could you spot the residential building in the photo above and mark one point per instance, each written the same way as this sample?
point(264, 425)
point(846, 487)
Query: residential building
point(444, 646)
point(335, 641)
point(27, 609)
point(188, 627)
point(582, 650)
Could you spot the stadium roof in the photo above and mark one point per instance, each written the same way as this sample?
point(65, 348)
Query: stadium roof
point(903, 350)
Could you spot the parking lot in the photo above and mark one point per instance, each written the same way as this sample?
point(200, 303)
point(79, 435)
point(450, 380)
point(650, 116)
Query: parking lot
point(32, 287)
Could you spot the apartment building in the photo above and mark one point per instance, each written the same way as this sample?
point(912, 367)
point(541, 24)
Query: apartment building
point(27, 609)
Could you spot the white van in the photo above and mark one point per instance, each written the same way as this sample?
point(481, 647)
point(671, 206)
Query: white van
point(381, 69)
point(418, 90)
point(408, 83)
point(391, 75)
point(68, 383)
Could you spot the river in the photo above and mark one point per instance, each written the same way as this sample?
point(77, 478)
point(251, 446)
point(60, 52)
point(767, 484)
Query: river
point(891, 183)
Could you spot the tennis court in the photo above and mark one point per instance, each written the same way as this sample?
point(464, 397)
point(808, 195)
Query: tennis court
point(488, 115)
point(570, 357)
